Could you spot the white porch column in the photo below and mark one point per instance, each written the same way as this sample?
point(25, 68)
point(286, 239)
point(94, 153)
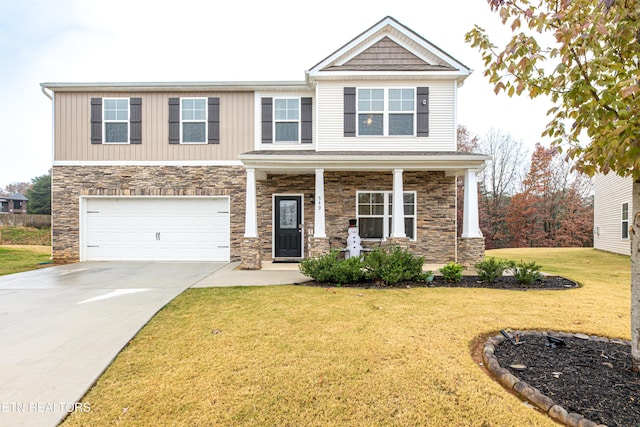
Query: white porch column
point(251, 209)
point(397, 230)
point(319, 228)
point(471, 220)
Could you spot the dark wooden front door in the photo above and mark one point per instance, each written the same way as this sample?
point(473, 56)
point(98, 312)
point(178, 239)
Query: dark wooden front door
point(288, 226)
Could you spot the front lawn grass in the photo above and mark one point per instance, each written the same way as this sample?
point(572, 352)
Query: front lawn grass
point(15, 259)
point(307, 356)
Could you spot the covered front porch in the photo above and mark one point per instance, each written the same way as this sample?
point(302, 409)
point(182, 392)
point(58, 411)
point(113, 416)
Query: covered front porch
point(307, 198)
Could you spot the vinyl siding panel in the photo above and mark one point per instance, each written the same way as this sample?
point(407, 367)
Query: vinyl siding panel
point(611, 191)
point(330, 114)
point(73, 129)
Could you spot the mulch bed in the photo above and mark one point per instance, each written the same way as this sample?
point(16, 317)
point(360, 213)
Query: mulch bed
point(587, 375)
point(504, 282)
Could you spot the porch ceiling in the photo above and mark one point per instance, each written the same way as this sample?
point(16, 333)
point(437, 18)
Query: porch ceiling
point(307, 161)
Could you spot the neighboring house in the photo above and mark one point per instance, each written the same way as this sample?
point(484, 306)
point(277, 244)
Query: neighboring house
point(612, 208)
point(252, 171)
point(15, 203)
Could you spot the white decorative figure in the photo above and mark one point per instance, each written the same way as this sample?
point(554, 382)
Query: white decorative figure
point(353, 243)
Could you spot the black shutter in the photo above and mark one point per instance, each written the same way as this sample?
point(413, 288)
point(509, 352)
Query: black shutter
point(174, 120)
point(96, 120)
point(135, 120)
point(214, 121)
point(267, 120)
point(423, 111)
point(307, 120)
point(349, 111)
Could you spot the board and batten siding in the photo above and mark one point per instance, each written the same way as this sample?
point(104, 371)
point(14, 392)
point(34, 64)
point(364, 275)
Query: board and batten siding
point(611, 191)
point(442, 120)
point(72, 129)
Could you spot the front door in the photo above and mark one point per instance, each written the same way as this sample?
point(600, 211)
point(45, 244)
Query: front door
point(288, 227)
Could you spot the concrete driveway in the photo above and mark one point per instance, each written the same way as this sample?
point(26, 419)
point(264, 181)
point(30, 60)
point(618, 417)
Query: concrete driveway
point(60, 327)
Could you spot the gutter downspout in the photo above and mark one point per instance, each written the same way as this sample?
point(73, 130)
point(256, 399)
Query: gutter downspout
point(44, 90)
point(50, 96)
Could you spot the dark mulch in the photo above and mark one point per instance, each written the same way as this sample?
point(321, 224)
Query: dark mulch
point(504, 282)
point(588, 377)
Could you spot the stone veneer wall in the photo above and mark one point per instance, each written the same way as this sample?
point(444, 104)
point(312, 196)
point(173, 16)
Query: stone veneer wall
point(470, 251)
point(435, 207)
point(71, 182)
point(435, 202)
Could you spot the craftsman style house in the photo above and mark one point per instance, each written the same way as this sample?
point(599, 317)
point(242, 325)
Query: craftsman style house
point(253, 171)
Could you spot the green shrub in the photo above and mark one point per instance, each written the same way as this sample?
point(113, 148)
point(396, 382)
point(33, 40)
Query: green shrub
point(491, 269)
point(527, 272)
point(329, 269)
point(394, 265)
point(387, 267)
point(348, 270)
point(452, 272)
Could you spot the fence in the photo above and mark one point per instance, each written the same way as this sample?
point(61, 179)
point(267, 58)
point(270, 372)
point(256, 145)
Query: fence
point(25, 220)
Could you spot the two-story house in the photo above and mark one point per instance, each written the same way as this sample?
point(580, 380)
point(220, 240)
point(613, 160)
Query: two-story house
point(252, 171)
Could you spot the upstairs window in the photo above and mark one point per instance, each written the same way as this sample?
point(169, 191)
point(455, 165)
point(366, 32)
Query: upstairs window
point(401, 111)
point(116, 120)
point(386, 111)
point(193, 120)
point(370, 111)
point(625, 220)
point(287, 119)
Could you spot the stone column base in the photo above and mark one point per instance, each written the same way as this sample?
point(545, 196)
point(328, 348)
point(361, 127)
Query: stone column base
point(250, 258)
point(470, 251)
point(403, 242)
point(318, 246)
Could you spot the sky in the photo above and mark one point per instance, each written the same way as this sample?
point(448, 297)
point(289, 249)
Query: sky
point(235, 40)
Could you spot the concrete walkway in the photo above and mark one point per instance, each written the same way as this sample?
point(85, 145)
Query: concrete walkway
point(270, 274)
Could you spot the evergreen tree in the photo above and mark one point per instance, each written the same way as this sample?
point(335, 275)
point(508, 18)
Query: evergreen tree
point(39, 195)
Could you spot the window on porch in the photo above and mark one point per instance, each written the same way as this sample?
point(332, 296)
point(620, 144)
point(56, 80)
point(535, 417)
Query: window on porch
point(374, 210)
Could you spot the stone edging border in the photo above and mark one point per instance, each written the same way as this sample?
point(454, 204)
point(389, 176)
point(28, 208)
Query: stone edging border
point(532, 394)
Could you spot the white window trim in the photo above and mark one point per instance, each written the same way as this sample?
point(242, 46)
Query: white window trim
point(299, 120)
point(105, 121)
point(386, 112)
point(624, 223)
point(387, 214)
point(206, 120)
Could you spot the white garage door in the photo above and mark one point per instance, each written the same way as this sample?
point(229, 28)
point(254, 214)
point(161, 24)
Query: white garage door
point(156, 229)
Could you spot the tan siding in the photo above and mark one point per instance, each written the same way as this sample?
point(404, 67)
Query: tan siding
point(441, 120)
point(611, 191)
point(73, 131)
